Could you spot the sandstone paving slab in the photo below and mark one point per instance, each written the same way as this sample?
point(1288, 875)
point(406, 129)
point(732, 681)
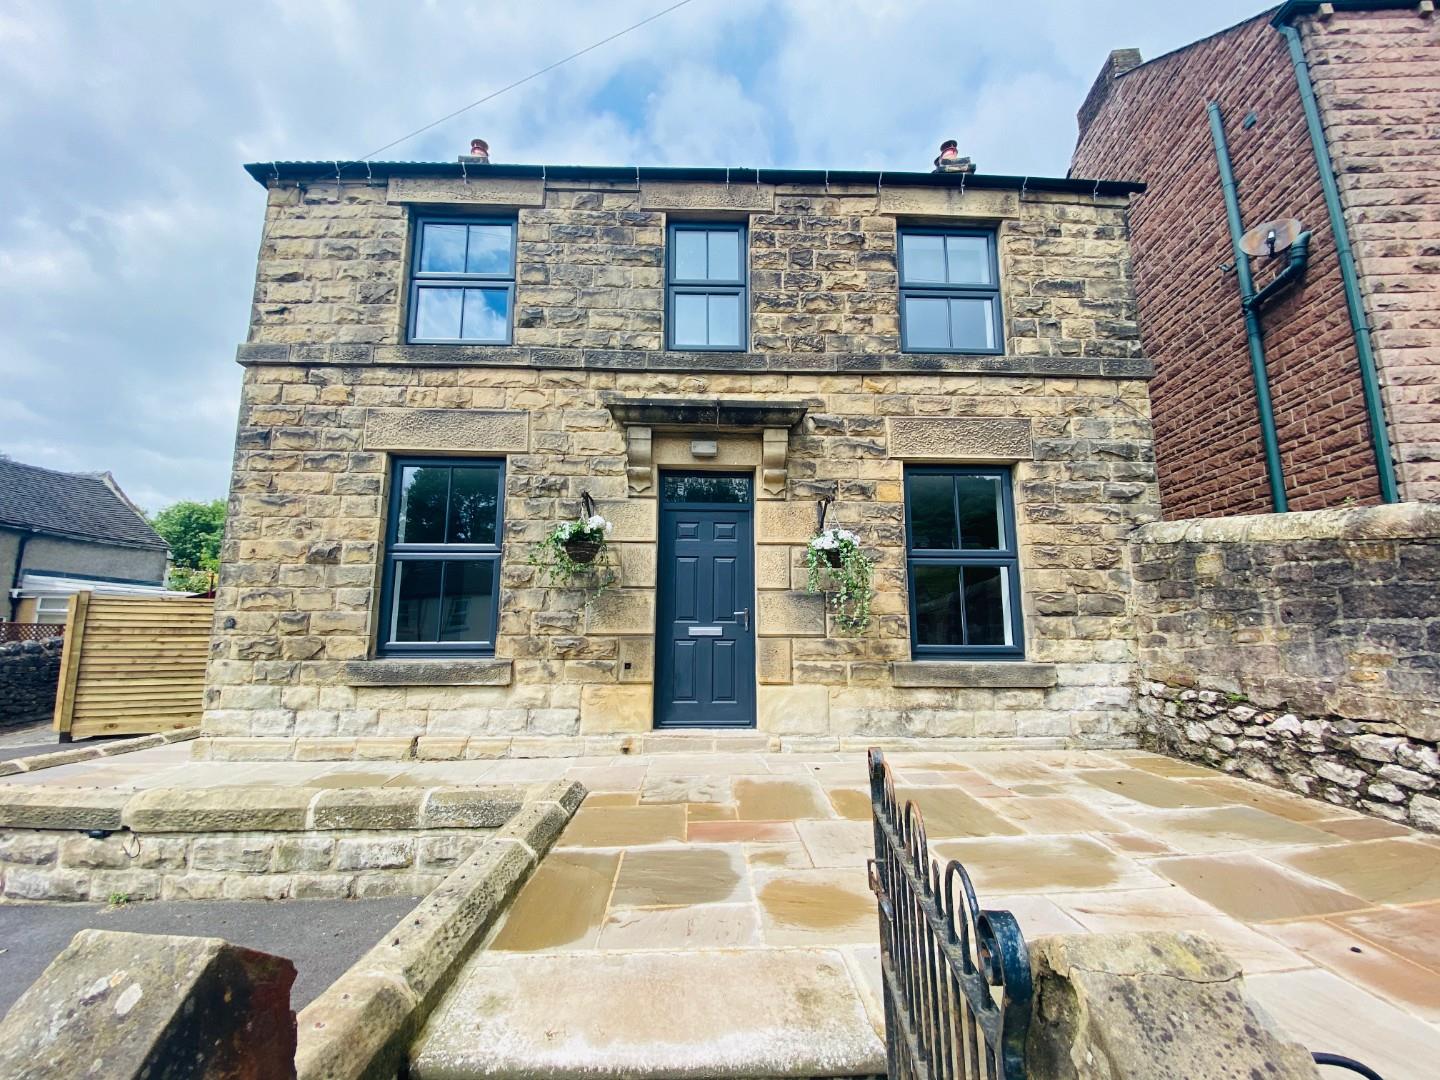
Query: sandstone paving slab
point(777, 856)
point(1324, 1012)
point(1055, 815)
point(1411, 987)
point(864, 964)
point(602, 778)
point(816, 907)
point(1280, 803)
point(1383, 871)
point(1362, 828)
point(702, 926)
point(740, 832)
point(852, 804)
point(837, 843)
point(775, 799)
point(624, 826)
point(612, 798)
point(1044, 864)
point(1151, 790)
point(1134, 843)
point(707, 765)
point(707, 811)
point(1252, 889)
point(1412, 932)
point(972, 783)
point(669, 877)
point(685, 789)
point(1173, 910)
point(562, 905)
point(1223, 828)
point(951, 811)
point(639, 1015)
point(1036, 915)
point(1164, 766)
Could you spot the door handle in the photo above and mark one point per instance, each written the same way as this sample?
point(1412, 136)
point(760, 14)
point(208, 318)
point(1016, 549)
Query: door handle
point(744, 617)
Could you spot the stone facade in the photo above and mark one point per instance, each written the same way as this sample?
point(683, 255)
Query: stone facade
point(29, 675)
point(1372, 73)
point(1300, 650)
point(331, 392)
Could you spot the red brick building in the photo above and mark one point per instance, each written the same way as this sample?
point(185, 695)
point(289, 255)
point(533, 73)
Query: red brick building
point(1375, 72)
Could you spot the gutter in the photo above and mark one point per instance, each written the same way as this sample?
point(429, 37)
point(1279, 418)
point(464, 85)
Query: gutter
point(1350, 279)
point(1250, 308)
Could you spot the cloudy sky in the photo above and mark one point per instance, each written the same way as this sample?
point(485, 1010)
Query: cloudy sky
point(128, 231)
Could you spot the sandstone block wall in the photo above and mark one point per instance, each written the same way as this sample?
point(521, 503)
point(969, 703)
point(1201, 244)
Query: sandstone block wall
point(1152, 125)
point(1302, 650)
point(330, 391)
point(1375, 80)
point(29, 675)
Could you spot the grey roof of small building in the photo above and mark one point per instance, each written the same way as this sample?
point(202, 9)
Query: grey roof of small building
point(317, 171)
point(84, 506)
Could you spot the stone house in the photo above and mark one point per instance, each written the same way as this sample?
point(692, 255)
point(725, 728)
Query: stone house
point(1349, 352)
point(62, 533)
point(446, 359)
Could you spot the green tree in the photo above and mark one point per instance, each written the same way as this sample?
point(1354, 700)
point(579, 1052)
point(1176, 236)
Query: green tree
point(193, 531)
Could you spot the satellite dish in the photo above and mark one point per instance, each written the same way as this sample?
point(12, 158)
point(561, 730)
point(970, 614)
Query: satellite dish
point(1270, 237)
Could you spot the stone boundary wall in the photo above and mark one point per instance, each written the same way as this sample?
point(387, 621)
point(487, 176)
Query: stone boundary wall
point(243, 843)
point(364, 1023)
point(29, 674)
point(1301, 650)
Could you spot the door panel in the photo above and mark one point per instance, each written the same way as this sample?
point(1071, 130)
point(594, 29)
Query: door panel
point(706, 675)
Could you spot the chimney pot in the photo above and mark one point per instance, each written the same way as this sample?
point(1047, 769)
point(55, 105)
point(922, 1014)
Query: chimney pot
point(479, 153)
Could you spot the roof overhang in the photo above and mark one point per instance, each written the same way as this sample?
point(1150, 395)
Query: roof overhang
point(318, 171)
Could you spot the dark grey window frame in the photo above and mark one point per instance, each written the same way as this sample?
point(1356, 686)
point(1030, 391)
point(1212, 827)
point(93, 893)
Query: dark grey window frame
point(420, 278)
point(675, 285)
point(1007, 556)
point(396, 553)
point(950, 291)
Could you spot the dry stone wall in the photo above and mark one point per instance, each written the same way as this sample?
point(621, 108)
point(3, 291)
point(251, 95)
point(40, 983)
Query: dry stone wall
point(1301, 650)
point(29, 675)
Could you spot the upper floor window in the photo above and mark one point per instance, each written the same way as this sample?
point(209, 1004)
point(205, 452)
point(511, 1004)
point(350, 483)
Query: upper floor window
point(962, 562)
point(442, 557)
point(949, 291)
point(707, 301)
point(462, 281)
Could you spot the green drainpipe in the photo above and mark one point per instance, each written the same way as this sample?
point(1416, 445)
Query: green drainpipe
point(1369, 380)
point(1273, 470)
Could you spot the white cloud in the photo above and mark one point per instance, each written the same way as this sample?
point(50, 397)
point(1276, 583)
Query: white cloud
point(128, 240)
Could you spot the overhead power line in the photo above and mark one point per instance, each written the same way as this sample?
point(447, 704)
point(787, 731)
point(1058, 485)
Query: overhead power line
point(521, 82)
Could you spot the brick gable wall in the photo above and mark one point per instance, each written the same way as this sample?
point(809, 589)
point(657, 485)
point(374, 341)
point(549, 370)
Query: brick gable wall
point(1153, 127)
point(1377, 79)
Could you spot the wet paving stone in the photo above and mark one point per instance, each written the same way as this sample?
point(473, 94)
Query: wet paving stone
point(562, 905)
point(669, 877)
point(954, 812)
point(778, 800)
point(810, 906)
point(625, 826)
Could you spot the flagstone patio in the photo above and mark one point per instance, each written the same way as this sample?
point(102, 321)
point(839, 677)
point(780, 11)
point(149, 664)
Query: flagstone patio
point(744, 875)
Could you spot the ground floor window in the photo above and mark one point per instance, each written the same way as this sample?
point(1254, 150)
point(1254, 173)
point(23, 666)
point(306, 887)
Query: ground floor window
point(51, 610)
point(442, 557)
point(962, 562)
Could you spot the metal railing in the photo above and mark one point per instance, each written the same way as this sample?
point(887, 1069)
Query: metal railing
point(956, 979)
point(10, 631)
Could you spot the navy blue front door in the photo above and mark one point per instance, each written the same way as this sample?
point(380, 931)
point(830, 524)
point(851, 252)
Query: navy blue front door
point(705, 663)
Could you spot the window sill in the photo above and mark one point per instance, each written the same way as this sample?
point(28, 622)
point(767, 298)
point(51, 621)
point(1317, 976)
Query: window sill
point(992, 674)
point(431, 671)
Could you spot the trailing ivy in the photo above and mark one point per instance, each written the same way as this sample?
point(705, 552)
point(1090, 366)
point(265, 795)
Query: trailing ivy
point(833, 557)
point(574, 555)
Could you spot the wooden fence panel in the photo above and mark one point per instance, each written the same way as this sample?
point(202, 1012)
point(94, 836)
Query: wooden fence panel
point(132, 665)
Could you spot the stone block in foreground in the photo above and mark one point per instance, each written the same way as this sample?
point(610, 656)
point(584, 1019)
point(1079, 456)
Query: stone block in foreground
point(160, 1006)
point(756, 1012)
point(1150, 1005)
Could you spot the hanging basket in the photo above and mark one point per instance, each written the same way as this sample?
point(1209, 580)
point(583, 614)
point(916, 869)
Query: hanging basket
point(832, 557)
point(582, 550)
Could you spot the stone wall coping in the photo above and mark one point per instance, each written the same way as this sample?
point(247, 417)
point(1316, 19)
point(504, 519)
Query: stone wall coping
point(502, 356)
point(363, 1023)
point(996, 674)
point(1397, 521)
point(261, 809)
point(72, 754)
point(457, 671)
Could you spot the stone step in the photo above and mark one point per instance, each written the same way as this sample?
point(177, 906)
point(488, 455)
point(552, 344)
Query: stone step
point(722, 1013)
